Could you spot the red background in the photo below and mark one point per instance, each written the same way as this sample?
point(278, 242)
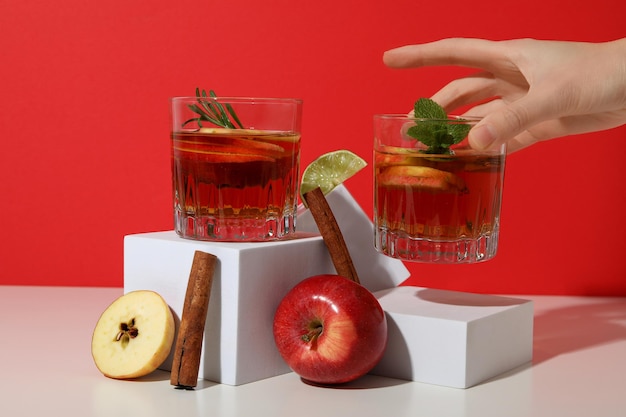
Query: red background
point(84, 125)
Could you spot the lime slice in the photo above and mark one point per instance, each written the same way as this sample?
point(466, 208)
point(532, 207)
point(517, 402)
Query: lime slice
point(330, 170)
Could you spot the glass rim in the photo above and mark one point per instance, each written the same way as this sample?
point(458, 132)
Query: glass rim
point(410, 118)
point(239, 99)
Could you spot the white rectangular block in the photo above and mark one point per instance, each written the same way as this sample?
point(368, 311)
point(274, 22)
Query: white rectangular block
point(453, 338)
point(249, 281)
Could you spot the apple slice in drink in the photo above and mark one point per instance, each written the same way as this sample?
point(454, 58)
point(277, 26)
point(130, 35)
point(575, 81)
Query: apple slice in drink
point(238, 140)
point(231, 145)
point(133, 336)
point(386, 160)
point(228, 145)
point(215, 156)
point(393, 155)
point(421, 177)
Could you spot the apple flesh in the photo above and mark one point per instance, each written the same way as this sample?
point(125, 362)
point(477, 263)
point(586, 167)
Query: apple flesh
point(330, 330)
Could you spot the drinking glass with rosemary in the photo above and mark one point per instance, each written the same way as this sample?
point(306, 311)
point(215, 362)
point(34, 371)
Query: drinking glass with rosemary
point(235, 166)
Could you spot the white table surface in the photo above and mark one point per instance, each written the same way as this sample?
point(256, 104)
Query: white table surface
point(579, 369)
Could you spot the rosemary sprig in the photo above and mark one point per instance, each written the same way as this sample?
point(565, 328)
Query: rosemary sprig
point(211, 110)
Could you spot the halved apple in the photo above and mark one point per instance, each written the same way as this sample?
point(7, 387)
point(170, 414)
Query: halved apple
point(133, 336)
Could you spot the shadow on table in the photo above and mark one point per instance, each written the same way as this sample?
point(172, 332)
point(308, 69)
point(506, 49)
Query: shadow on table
point(365, 382)
point(568, 329)
point(160, 375)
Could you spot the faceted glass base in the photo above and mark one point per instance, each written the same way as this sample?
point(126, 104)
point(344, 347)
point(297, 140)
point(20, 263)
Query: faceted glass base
point(467, 250)
point(235, 229)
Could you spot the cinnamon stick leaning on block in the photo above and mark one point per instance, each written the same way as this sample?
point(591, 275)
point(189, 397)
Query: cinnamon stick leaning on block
point(329, 229)
point(188, 348)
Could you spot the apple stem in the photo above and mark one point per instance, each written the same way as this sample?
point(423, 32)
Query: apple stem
point(312, 335)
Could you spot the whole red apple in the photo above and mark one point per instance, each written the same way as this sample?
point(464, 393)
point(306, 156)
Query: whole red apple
point(330, 329)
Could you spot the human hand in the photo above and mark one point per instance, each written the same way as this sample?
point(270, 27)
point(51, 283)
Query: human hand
point(527, 90)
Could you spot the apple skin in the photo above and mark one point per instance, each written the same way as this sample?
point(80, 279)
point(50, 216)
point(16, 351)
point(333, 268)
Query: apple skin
point(351, 326)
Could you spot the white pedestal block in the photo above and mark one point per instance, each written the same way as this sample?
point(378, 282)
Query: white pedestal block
point(453, 338)
point(249, 281)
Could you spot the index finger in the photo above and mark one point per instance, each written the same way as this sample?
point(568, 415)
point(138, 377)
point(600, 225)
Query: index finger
point(474, 53)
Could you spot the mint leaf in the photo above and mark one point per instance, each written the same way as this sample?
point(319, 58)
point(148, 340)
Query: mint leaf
point(459, 131)
point(429, 133)
point(434, 130)
point(426, 108)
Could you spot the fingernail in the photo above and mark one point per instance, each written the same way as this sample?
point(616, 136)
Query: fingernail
point(482, 137)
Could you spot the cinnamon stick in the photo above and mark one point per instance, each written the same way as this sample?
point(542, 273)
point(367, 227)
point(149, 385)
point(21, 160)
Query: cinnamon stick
point(188, 348)
point(333, 238)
